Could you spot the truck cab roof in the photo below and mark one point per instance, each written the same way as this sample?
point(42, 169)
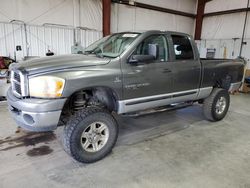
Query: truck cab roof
point(155, 32)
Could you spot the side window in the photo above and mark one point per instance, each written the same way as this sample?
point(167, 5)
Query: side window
point(158, 41)
point(182, 47)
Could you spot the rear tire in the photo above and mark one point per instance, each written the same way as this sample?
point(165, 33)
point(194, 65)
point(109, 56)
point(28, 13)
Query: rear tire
point(90, 134)
point(215, 107)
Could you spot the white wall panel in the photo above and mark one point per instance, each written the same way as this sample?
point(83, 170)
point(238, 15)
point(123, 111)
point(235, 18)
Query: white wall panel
point(38, 11)
point(226, 48)
point(39, 16)
point(91, 14)
point(221, 5)
point(223, 27)
point(230, 46)
point(41, 39)
point(127, 18)
point(219, 31)
point(181, 5)
point(65, 12)
point(122, 18)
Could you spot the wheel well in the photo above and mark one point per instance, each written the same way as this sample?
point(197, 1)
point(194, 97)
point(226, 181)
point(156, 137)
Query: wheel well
point(224, 82)
point(99, 96)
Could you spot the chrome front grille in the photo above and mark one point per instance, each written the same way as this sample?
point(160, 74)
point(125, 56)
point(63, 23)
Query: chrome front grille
point(17, 77)
point(18, 83)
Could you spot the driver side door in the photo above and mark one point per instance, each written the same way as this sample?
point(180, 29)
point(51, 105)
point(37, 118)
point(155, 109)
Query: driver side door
point(145, 82)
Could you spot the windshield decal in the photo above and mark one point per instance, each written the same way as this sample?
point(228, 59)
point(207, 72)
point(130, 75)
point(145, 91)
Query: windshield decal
point(130, 35)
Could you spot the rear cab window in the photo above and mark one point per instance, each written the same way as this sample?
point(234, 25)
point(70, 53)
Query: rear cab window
point(182, 47)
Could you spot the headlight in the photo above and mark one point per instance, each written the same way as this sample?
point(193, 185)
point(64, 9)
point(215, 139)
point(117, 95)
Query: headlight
point(46, 86)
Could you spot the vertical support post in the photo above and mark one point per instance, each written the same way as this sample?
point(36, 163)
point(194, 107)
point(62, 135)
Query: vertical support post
point(26, 39)
point(106, 16)
point(199, 19)
point(244, 30)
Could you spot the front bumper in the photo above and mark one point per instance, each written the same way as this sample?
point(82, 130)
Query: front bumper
point(35, 114)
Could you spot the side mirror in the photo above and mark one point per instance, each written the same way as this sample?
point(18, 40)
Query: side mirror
point(152, 54)
point(134, 59)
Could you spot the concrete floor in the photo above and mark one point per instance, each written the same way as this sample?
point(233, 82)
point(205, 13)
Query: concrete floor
point(168, 149)
point(4, 86)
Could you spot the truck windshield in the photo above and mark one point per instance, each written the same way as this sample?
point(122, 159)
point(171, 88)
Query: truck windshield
point(111, 46)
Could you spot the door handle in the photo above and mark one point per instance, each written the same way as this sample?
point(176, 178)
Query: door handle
point(166, 71)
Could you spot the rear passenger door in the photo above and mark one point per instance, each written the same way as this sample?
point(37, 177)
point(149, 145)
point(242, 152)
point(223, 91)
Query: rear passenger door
point(186, 65)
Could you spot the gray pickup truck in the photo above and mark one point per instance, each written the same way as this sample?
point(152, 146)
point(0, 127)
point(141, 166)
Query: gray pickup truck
point(121, 73)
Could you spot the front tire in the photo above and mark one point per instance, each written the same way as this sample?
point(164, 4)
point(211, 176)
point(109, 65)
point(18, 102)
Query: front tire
point(215, 107)
point(90, 134)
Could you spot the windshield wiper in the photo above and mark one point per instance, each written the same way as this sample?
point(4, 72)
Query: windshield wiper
point(94, 50)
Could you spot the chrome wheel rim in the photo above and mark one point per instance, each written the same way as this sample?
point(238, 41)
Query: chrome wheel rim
point(95, 137)
point(221, 105)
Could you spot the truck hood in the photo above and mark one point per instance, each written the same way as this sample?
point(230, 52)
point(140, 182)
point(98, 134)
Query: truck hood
point(53, 63)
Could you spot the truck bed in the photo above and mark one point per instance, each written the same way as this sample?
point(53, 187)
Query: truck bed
point(218, 71)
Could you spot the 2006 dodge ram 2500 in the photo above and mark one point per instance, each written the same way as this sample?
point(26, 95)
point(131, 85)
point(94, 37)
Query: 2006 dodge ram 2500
point(121, 73)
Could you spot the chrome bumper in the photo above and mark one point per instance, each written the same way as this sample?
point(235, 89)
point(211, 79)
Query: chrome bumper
point(235, 86)
point(35, 114)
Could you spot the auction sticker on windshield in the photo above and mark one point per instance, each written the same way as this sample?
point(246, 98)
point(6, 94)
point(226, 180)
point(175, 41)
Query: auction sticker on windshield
point(132, 35)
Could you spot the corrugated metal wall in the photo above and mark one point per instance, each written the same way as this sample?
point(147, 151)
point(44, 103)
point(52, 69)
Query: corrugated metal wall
point(37, 40)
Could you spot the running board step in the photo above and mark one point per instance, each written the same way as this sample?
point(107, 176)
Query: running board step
point(159, 109)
